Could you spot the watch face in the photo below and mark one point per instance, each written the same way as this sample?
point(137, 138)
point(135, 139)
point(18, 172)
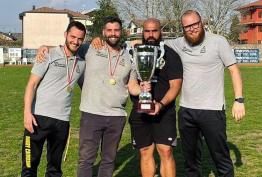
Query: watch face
point(240, 100)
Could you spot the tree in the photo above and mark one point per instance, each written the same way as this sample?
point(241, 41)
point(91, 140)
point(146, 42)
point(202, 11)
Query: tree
point(106, 8)
point(138, 8)
point(172, 10)
point(10, 43)
point(169, 10)
point(218, 14)
point(235, 29)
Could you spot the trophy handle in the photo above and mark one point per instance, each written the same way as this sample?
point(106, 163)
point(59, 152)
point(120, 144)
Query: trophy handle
point(132, 54)
point(130, 50)
point(160, 62)
point(162, 49)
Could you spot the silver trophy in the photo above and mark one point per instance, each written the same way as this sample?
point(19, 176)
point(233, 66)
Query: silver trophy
point(146, 60)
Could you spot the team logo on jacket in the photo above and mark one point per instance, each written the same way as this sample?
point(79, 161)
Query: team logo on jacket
point(161, 63)
point(203, 50)
point(122, 62)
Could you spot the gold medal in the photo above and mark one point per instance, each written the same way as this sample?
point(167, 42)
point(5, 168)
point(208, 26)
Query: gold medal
point(112, 69)
point(68, 89)
point(112, 81)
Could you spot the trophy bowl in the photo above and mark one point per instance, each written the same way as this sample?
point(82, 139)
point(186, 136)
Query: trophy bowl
point(145, 58)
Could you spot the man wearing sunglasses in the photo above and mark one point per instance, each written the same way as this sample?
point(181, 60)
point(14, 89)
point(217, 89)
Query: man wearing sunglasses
point(202, 103)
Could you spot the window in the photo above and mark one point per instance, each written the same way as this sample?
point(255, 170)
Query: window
point(243, 42)
point(245, 30)
point(260, 29)
point(260, 14)
point(259, 41)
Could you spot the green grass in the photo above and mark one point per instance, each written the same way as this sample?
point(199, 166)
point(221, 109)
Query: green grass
point(244, 138)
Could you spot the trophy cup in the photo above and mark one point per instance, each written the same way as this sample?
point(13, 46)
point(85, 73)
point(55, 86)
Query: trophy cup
point(146, 61)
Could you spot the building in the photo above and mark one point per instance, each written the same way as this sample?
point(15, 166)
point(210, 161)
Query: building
point(7, 37)
point(251, 20)
point(135, 28)
point(46, 26)
point(89, 13)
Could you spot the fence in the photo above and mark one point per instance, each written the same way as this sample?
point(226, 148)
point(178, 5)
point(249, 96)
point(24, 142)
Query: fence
point(250, 46)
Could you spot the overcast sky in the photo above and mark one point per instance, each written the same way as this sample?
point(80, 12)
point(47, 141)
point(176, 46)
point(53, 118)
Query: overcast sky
point(10, 10)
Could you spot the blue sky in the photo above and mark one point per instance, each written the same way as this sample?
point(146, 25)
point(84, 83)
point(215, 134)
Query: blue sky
point(10, 10)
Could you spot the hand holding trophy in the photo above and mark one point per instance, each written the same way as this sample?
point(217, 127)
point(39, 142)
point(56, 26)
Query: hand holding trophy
point(146, 61)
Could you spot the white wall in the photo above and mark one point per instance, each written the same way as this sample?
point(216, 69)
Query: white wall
point(15, 53)
point(133, 26)
point(44, 29)
point(1, 56)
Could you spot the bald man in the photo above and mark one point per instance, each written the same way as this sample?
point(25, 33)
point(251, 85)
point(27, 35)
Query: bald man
point(158, 130)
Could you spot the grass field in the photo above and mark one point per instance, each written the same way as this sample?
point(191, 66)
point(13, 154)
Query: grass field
point(244, 138)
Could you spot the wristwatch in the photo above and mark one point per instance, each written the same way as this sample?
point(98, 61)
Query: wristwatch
point(240, 100)
point(162, 106)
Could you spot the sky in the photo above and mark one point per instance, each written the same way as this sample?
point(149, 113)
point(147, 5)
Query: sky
point(10, 10)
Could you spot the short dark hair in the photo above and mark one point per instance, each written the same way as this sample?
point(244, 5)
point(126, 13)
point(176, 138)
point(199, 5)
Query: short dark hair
point(112, 19)
point(76, 24)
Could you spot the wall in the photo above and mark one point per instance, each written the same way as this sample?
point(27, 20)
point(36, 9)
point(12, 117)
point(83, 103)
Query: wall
point(43, 29)
point(252, 36)
point(1, 56)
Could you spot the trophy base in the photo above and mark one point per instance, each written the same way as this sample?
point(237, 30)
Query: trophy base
point(145, 107)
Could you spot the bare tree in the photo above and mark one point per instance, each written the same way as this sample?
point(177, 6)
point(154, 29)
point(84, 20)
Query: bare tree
point(138, 8)
point(169, 10)
point(218, 14)
point(172, 10)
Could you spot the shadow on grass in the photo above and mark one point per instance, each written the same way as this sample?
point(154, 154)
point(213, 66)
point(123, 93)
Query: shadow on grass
point(208, 166)
point(127, 162)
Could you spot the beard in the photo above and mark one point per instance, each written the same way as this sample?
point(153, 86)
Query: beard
point(71, 49)
point(193, 41)
point(112, 43)
point(151, 40)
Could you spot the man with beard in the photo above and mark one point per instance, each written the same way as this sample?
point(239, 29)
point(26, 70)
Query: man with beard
point(202, 104)
point(158, 130)
point(108, 78)
point(47, 102)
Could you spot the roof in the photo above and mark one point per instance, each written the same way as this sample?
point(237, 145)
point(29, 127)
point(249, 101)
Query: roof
point(140, 22)
point(52, 10)
point(89, 12)
point(250, 5)
point(8, 36)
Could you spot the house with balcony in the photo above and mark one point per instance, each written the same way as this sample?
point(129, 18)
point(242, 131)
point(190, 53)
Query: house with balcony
point(251, 20)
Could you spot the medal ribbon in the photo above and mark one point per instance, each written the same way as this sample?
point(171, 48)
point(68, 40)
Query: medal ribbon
point(70, 76)
point(112, 72)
